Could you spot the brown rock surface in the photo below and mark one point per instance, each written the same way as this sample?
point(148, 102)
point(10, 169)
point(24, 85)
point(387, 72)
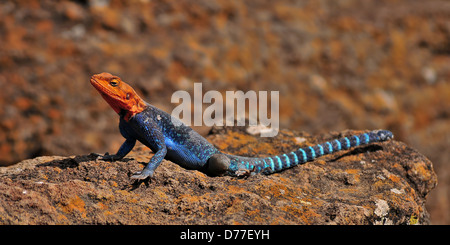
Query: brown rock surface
point(385, 183)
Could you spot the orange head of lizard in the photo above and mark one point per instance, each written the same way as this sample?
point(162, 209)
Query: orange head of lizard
point(119, 95)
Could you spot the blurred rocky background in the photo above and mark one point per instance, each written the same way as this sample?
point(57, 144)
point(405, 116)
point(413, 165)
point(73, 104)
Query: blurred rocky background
point(338, 65)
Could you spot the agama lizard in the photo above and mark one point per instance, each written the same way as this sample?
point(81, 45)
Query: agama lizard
point(182, 145)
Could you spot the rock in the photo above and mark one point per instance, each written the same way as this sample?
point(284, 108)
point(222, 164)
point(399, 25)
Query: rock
point(384, 183)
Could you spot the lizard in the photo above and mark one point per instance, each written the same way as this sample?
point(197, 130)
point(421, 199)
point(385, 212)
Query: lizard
point(173, 140)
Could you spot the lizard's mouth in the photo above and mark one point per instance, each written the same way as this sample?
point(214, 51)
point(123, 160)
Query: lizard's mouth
point(107, 94)
point(95, 83)
point(99, 86)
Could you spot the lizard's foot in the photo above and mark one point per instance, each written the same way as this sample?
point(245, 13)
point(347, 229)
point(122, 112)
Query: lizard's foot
point(144, 174)
point(245, 172)
point(108, 157)
point(98, 156)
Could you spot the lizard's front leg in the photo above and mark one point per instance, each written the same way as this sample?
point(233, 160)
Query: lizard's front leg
point(126, 147)
point(153, 137)
point(152, 165)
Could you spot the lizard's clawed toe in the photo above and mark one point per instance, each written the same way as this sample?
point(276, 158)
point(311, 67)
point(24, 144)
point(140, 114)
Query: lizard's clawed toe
point(110, 158)
point(140, 175)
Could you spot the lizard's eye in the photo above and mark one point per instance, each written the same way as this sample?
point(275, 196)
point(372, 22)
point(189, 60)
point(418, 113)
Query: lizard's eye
point(114, 82)
point(128, 96)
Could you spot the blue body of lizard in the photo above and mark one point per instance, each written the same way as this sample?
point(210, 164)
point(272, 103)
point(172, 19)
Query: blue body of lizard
point(182, 145)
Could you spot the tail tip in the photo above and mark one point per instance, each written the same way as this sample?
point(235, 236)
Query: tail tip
point(384, 134)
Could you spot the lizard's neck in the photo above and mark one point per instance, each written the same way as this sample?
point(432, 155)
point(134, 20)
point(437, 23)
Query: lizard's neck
point(131, 108)
point(126, 115)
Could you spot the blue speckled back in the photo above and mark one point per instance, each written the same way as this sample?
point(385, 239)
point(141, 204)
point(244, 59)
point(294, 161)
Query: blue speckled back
point(184, 145)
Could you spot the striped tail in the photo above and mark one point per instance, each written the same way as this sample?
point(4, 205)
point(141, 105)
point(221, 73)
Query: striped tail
point(278, 163)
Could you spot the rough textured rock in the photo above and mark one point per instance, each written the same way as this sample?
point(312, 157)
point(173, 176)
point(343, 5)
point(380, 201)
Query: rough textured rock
point(385, 183)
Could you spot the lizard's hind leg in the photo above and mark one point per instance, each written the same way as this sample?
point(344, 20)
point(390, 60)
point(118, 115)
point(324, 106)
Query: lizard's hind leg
point(218, 164)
